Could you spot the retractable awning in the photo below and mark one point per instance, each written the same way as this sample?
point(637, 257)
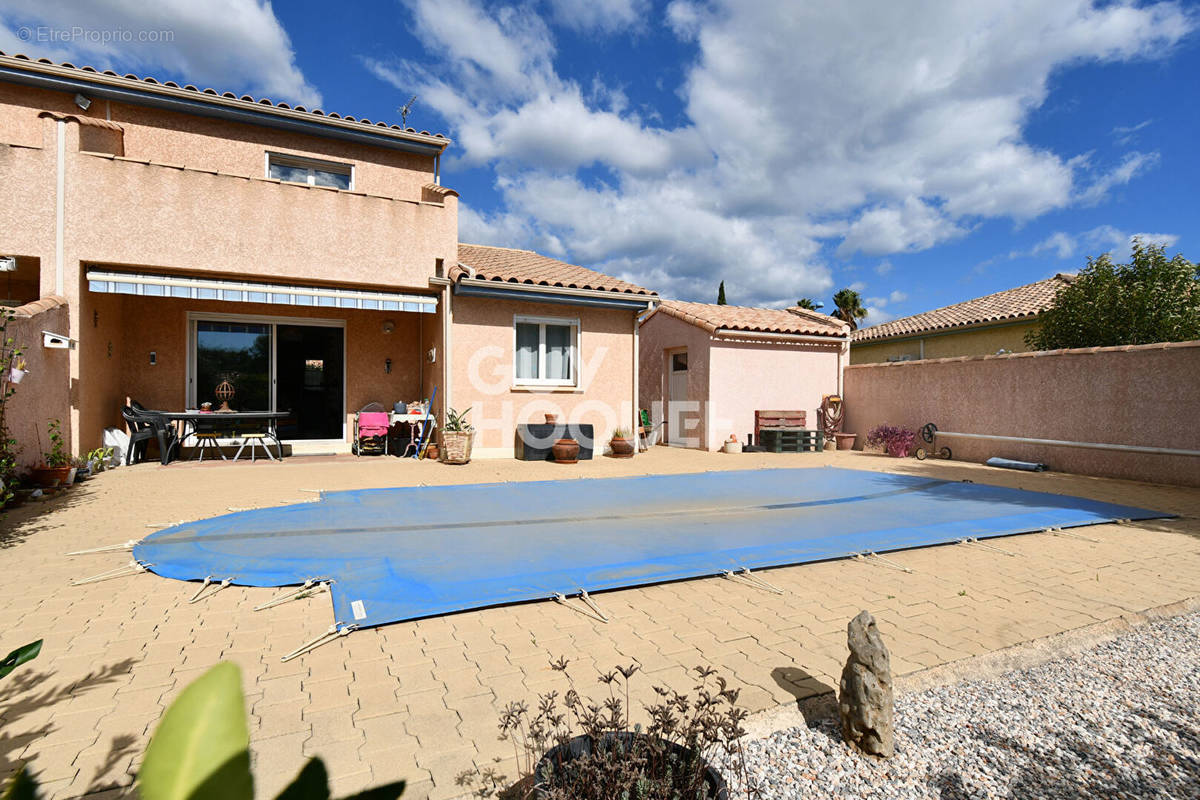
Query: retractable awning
point(249, 292)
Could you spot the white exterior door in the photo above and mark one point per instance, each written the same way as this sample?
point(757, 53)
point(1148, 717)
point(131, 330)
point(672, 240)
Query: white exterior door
point(677, 399)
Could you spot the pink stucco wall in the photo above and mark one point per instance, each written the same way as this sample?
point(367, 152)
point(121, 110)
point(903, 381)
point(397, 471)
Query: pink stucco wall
point(131, 327)
point(761, 375)
point(732, 379)
point(1146, 395)
point(43, 394)
point(482, 371)
point(212, 144)
point(189, 195)
point(659, 337)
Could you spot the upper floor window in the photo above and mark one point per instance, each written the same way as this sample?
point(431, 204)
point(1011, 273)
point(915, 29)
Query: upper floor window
point(547, 351)
point(311, 171)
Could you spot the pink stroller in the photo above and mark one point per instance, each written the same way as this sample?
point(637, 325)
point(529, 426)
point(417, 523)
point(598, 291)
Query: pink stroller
point(371, 426)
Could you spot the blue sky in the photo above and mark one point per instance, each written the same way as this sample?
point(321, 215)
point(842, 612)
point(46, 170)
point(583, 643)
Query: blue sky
point(922, 153)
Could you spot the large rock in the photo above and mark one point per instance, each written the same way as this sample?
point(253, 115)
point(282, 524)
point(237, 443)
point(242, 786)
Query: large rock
point(865, 702)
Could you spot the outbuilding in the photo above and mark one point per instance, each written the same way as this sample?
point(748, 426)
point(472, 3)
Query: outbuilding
point(705, 369)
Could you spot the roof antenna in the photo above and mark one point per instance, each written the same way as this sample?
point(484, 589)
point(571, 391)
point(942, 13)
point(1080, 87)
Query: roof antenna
point(405, 110)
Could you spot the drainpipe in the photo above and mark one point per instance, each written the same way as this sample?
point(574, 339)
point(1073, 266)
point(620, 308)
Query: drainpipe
point(60, 208)
point(636, 416)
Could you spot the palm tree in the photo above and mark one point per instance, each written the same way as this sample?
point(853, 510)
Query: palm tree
point(809, 303)
point(849, 307)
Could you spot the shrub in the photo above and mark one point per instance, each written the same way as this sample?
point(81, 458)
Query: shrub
point(668, 760)
point(897, 441)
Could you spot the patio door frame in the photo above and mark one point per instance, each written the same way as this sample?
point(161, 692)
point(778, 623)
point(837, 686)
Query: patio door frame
point(189, 378)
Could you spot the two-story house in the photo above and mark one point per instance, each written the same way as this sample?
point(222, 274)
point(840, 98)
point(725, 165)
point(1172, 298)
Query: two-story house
point(196, 235)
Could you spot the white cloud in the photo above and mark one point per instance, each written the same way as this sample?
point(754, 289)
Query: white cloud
point(897, 296)
point(1123, 173)
point(792, 138)
point(230, 45)
point(1094, 242)
point(600, 16)
point(1125, 134)
point(884, 267)
point(908, 227)
point(1164, 239)
point(1061, 244)
point(875, 316)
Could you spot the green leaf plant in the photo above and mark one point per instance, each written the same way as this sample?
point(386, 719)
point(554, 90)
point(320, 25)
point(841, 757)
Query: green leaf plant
point(201, 750)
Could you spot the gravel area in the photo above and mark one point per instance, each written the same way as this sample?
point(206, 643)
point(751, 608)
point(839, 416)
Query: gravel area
point(1119, 720)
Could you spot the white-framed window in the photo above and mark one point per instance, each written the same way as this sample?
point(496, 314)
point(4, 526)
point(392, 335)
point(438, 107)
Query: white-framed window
point(295, 169)
point(545, 351)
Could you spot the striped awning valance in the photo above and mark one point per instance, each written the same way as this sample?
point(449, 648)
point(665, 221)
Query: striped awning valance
point(248, 292)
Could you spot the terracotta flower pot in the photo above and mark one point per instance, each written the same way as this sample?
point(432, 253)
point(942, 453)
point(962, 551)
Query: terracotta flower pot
point(845, 441)
point(50, 477)
point(565, 451)
point(432, 451)
point(621, 447)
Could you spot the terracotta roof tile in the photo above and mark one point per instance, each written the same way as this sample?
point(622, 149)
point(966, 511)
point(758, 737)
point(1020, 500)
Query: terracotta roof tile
point(505, 265)
point(46, 303)
point(1023, 301)
point(91, 73)
point(793, 320)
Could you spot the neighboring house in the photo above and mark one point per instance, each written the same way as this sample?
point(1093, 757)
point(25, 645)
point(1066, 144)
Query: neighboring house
point(194, 235)
point(983, 326)
point(705, 369)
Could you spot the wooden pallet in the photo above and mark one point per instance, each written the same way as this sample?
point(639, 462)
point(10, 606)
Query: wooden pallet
point(791, 440)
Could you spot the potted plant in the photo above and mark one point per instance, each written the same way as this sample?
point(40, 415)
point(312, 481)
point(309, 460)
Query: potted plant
point(83, 468)
point(565, 451)
point(620, 444)
point(897, 442)
point(845, 441)
point(571, 746)
point(55, 469)
point(98, 459)
point(457, 436)
point(17, 372)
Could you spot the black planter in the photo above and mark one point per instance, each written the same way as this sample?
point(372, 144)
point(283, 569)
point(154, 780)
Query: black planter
point(582, 746)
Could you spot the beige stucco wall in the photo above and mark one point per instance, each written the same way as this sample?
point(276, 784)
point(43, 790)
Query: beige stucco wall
point(751, 376)
point(975, 342)
point(43, 394)
point(659, 337)
point(482, 338)
point(1146, 395)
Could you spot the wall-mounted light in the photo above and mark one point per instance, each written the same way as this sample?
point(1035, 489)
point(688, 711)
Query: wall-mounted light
point(153, 358)
point(387, 365)
point(83, 102)
point(388, 326)
point(8, 264)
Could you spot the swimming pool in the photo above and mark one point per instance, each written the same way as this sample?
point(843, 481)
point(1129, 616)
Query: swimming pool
point(406, 553)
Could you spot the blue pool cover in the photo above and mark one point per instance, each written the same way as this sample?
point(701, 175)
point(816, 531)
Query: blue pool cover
point(399, 554)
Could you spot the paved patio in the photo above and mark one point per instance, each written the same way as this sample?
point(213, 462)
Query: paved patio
point(420, 700)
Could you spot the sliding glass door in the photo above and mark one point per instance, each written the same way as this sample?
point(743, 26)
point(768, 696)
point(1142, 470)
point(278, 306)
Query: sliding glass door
point(233, 357)
point(271, 364)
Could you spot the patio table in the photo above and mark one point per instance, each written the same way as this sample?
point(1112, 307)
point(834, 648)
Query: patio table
point(413, 421)
point(265, 421)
